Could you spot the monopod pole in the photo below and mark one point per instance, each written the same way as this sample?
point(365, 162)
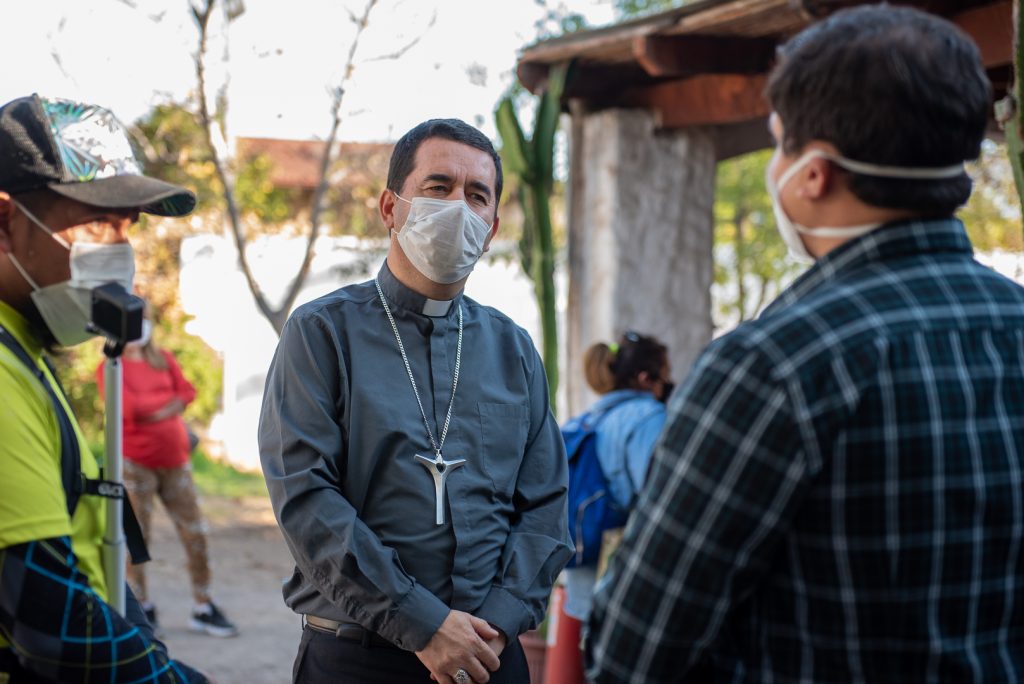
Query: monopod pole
point(117, 315)
point(114, 545)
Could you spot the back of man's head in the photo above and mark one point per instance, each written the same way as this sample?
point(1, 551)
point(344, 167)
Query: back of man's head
point(886, 85)
point(403, 157)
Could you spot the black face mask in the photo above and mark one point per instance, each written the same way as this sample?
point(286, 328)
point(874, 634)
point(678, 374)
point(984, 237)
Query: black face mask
point(666, 391)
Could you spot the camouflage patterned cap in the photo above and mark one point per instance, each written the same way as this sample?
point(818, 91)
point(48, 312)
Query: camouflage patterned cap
point(80, 151)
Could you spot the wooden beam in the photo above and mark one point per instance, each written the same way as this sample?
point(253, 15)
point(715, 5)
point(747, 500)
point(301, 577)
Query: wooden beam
point(676, 56)
point(704, 100)
point(532, 75)
point(593, 43)
point(603, 85)
point(991, 27)
point(732, 140)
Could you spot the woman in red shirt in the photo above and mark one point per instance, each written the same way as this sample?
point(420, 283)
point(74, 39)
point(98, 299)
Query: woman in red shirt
point(156, 462)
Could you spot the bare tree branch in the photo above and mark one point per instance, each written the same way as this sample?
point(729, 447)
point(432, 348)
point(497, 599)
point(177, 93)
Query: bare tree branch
point(140, 139)
point(202, 14)
point(55, 54)
point(327, 160)
point(402, 50)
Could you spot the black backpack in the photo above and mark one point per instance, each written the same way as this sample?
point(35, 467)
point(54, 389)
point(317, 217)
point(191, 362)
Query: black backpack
point(71, 476)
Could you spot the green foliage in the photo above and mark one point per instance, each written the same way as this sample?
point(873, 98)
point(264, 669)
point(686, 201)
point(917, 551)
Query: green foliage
point(201, 366)
point(751, 262)
point(636, 8)
point(217, 478)
point(557, 21)
point(175, 150)
point(993, 214)
point(258, 196)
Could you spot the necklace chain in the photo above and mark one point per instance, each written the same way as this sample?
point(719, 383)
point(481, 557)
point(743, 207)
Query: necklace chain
point(408, 369)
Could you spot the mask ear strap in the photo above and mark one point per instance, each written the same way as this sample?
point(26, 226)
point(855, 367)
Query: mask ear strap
point(40, 224)
point(23, 272)
point(903, 172)
point(796, 166)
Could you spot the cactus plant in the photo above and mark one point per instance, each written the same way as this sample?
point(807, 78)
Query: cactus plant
point(532, 161)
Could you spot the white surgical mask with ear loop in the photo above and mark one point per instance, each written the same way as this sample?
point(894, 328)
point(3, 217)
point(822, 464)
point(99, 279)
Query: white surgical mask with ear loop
point(790, 230)
point(66, 307)
point(443, 239)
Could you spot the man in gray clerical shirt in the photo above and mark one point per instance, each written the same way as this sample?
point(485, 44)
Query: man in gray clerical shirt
point(411, 455)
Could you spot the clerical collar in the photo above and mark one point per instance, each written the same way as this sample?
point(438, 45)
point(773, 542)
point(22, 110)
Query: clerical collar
point(401, 296)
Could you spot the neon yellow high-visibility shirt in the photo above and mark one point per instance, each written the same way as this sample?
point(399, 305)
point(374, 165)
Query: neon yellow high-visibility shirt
point(32, 501)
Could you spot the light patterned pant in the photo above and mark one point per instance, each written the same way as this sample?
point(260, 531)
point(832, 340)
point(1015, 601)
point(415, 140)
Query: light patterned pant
point(177, 491)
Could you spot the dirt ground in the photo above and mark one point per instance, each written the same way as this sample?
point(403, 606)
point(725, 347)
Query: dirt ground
point(250, 560)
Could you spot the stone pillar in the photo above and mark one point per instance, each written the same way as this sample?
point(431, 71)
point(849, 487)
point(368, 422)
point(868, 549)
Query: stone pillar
point(640, 238)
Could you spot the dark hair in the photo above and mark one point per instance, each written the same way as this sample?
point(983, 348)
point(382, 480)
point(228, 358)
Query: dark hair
point(608, 368)
point(403, 157)
point(887, 85)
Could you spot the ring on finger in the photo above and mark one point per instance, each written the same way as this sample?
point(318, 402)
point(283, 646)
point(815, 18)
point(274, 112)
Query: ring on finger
point(462, 677)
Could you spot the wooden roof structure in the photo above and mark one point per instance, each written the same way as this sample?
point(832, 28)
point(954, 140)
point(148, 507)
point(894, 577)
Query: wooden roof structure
point(706, 63)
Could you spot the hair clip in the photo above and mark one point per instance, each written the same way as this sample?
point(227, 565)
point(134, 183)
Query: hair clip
point(613, 347)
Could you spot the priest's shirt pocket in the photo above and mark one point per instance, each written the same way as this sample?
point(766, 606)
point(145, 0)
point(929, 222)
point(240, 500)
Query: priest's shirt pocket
point(503, 432)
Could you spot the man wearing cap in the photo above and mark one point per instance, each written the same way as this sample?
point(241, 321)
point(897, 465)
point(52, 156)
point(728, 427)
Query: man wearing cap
point(415, 467)
point(838, 493)
point(69, 189)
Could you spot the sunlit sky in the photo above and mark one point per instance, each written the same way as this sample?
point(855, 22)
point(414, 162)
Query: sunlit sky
point(283, 59)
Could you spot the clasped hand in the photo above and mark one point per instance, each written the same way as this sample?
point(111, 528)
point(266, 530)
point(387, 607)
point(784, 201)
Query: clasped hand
point(463, 642)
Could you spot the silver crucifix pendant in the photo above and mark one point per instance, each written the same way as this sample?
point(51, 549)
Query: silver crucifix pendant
point(439, 469)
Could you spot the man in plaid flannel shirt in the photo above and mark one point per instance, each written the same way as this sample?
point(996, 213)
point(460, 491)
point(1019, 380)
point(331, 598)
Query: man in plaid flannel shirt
point(838, 494)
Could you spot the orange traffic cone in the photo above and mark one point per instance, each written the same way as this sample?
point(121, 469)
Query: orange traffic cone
point(564, 664)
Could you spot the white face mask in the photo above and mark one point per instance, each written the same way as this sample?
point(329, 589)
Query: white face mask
point(790, 230)
point(443, 239)
point(66, 307)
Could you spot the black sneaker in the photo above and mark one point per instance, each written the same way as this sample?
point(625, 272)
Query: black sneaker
point(150, 610)
point(211, 620)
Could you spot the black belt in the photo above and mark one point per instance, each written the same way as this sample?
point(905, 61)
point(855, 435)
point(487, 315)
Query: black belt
point(349, 631)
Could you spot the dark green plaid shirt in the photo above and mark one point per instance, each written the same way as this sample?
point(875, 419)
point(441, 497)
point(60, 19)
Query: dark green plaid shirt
point(837, 495)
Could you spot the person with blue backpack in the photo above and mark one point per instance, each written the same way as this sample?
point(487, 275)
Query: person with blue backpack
point(609, 446)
